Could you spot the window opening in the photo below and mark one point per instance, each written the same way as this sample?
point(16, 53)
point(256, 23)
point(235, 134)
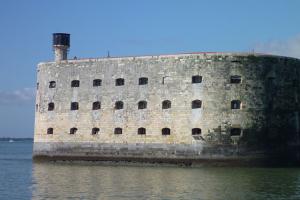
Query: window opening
point(235, 79)
point(235, 132)
point(96, 105)
point(141, 131)
point(166, 131)
point(119, 105)
point(235, 104)
point(75, 83)
point(196, 131)
point(142, 105)
point(97, 82)
point(118, 131)
point(51, 106)
point(73, 130)
point(143, 81)
point(120, 81)
point(196, 104)
point(95, 131)
point(166, 104)
point(196, 79)
point(52, 84)
point(74, 106)
point(50, 131)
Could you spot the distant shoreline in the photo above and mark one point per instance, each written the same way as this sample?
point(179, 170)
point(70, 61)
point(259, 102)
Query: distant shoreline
point(3, 139)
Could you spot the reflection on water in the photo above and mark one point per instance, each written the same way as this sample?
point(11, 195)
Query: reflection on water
point(87, 181)
point(22, 179)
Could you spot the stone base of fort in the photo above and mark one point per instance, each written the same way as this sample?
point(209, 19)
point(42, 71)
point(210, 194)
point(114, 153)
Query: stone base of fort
point(182, 154)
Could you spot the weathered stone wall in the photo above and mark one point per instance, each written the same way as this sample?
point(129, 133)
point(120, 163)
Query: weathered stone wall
point(268, 93)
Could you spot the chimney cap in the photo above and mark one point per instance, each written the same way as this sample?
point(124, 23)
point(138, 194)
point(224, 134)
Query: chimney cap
point(61, 39)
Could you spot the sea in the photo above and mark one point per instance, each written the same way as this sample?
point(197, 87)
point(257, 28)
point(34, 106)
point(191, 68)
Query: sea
point(21, 178)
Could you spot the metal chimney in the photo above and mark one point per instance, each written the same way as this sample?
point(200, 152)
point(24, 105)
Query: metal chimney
point(61, 45)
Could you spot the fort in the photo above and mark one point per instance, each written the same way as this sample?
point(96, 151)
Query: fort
point(181, 108)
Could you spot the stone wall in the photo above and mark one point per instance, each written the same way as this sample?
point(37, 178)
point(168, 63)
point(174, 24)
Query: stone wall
point(268, 94)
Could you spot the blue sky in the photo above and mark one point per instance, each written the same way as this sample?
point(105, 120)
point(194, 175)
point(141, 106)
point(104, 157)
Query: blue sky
point(129, 27)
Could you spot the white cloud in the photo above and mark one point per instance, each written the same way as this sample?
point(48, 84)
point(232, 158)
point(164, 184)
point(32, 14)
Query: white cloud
point(20, 96)
point(289, 47)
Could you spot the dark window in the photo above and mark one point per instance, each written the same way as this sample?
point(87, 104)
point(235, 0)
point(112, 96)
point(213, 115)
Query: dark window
point(52, 84)
point(50, 106)
point(50, 131)
point(73, 131)
point(142, 105)
point(235, 104)
point(196, 79)
point(235, 132)
point(196, 104)
point(118, 131)
point(196, 131)
point(141, 131)
point(119, 105)
point(96, 105)
point(74, 106)
point(36, 107)
point(37, 86)
point(143, 81)
point(120, 81)
point(75, 83)
point(166, 104)
point(95, 131)
point(235, 79)
point(97, 82)
point(165, 131)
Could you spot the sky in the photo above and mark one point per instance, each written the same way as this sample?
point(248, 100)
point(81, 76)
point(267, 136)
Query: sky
point(129, 27)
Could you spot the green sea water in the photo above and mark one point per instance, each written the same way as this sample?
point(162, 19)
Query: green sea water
point(22, 179)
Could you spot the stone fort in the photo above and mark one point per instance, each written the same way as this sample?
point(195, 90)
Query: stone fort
point(189, 107)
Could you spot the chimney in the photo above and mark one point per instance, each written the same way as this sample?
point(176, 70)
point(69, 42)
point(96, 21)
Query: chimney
point(61, 45)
